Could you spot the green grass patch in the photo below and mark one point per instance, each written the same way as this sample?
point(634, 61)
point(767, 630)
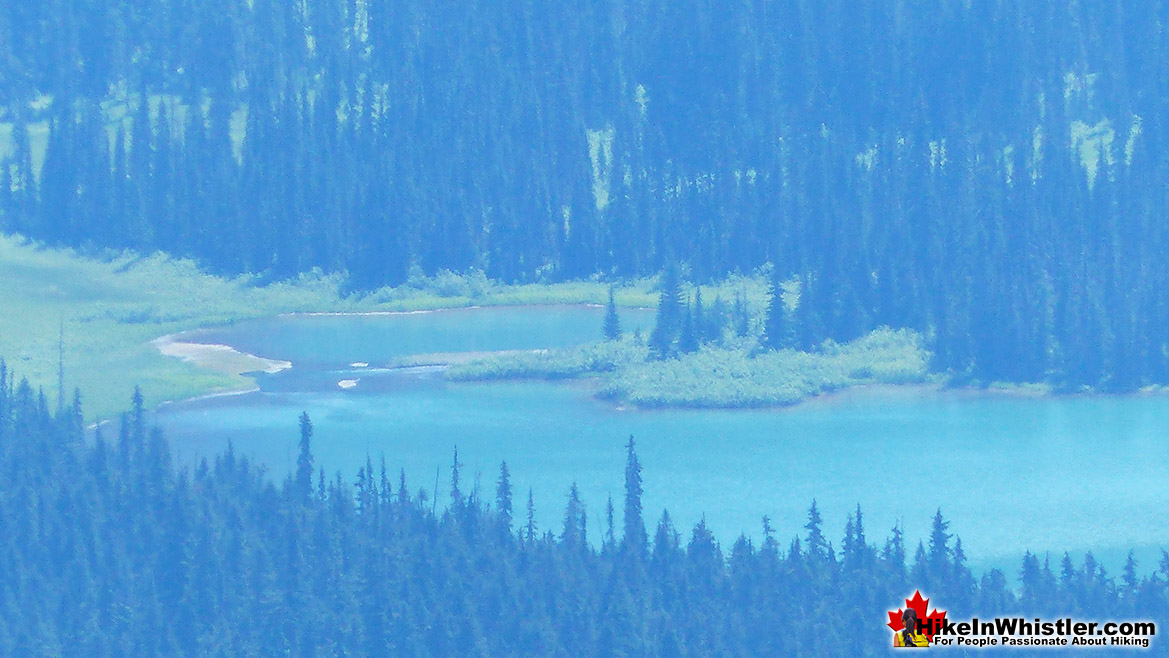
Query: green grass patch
point(566, 363)
point(729, 378)
point(111, 307)
point(718, 377)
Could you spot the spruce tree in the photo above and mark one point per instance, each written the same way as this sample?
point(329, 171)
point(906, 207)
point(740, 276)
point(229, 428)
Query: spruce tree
point(609, 540)
point(894, 552)
point(1129, 576)
point(503, 496)
point(939, 548)
point(403, 491)
point(573, 533)
point(530, 526)
point(612, 321)
point(634, 538)
point(456, 492)
point(138, 429)
point(775, 326)
point(1067, 571)
point(817, 545)
point(668, 322)
point(688, 336)
point(740, 316)
point(809, 331)
point(304, 461)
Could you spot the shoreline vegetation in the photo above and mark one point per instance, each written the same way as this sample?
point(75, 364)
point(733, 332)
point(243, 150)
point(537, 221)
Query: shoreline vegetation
point(727, 353)
point(100, 314)
point(715, 377)
point(121, 320)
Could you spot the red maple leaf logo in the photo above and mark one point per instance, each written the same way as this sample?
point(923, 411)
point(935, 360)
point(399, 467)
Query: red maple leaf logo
point(929, 623)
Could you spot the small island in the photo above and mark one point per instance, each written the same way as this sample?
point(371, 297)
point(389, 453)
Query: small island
point(718, 345)
point(718, 355)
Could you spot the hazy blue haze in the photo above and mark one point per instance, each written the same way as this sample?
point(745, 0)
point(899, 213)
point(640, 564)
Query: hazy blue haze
point(1011, 473)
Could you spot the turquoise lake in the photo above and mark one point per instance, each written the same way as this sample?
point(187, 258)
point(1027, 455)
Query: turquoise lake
point(1010, 473)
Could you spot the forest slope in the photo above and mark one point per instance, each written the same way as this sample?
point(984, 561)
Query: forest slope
point(109, 550)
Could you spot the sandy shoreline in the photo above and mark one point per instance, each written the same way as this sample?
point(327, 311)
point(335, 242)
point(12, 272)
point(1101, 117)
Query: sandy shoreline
point(220, 358)
point(228, 360)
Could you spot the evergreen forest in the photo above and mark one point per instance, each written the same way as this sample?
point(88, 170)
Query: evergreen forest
point(108, 549)
point(987, 173)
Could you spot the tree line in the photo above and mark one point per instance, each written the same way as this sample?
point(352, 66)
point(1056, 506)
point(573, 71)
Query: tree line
point(986, 173)
point(108, 549)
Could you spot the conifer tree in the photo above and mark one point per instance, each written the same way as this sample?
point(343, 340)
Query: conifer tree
point(403, 491)
point(856, 551)
point(530, 526)
point(609, 539)
point(817, 545)
point(138, 426)
point(770, 545)
point(1067, 571)
point(304, 460)
point(688, 336)
point(665, 546)
point(809, 332)
point(612, 321)
point(456, 493)
point(939, 548)
point(1129, 576)
point(1031, 577)
point(634, 538)
point(668, 322)
point(740, 317)
point(503, 496)
point(775, 327)
point(574, 530)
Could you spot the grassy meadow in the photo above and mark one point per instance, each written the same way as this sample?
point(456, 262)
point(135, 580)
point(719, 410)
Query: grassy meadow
point(111, 307)
point(716, 377)
point(730, 378)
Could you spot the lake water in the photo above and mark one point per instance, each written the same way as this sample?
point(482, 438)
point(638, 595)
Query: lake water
point(1010, 473)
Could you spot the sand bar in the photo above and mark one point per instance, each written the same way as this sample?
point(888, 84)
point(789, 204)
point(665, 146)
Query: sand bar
point(220, 358)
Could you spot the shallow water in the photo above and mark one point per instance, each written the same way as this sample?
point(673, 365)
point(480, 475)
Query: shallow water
point(1010, 473)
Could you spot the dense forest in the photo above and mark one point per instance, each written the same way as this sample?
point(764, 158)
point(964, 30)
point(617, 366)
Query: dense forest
point(107, 549)
point(989, 173)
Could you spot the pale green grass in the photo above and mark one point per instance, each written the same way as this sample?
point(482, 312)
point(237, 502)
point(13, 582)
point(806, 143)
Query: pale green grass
point(566, 363)
point(112, 308)
point(724, 377)
point(731, 378)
